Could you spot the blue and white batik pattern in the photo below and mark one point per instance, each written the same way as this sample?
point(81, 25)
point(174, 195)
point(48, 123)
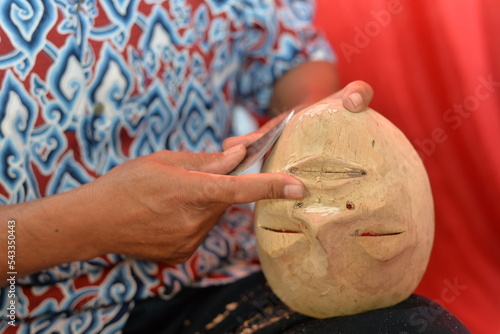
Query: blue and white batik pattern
point(88, 84)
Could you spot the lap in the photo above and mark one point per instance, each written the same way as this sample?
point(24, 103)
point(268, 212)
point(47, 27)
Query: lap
point(249, 306)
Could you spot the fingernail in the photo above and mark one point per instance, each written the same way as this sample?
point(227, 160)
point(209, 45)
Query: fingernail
point(355, 99)
point(233, 150)
point(295, 191)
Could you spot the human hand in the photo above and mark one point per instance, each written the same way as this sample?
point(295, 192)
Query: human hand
point(161, 206)
point(356, 96)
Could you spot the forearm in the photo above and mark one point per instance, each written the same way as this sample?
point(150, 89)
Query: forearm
point(47, 232)
point(306, 84)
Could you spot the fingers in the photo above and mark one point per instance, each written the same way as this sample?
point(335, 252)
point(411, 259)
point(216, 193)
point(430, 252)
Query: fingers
point(250, 138)
point(216, 163)
point(356, 96)
point(244, 140)
point(248, 188)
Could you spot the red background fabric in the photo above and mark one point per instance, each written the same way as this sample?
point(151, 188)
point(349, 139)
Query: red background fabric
point(435, 69)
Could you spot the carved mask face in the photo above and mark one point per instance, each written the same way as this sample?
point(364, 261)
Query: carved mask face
point(361, 238)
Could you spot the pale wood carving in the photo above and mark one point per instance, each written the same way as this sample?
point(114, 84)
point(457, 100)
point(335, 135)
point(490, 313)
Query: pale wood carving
point(362, 237)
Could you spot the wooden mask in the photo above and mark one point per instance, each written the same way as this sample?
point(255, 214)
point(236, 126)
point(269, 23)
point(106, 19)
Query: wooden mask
point(362, 237)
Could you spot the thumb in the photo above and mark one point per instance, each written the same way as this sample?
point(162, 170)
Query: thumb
point(248, 188)
point(356, 96)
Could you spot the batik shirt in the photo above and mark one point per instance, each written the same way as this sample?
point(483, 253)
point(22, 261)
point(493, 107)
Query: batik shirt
point(88, 84)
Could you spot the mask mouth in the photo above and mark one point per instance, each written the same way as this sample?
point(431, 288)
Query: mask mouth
point(328, 171)
point(325, 171)
point(326, 166)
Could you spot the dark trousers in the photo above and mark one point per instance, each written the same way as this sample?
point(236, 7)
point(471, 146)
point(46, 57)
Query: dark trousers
point(249, 306)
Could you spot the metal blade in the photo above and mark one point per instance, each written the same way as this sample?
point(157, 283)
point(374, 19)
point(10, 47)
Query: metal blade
point(260, 147)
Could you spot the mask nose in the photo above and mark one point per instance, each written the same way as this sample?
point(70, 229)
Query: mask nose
point(316, 214)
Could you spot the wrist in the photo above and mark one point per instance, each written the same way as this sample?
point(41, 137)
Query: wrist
point(49, 232)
